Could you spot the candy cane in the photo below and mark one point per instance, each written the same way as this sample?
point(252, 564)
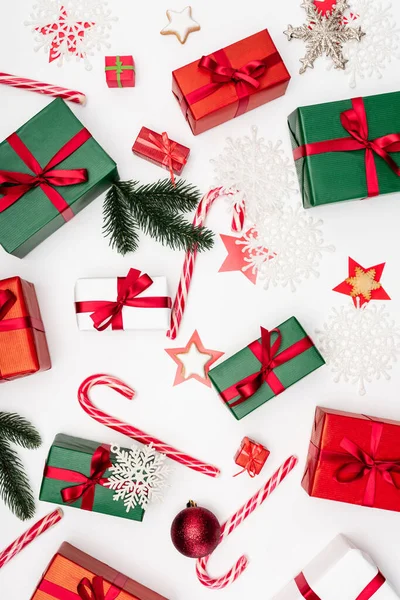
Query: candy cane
point(136, 434)
point(30, 535)
point(239, 215)
point(235, 521)
point(42, 88)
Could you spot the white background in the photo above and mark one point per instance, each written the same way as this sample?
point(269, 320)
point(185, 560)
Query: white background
point(226, 309)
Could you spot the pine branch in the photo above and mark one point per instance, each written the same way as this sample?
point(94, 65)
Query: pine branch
point(15, 489)
point(18, 430)
point(119, 224)
point(183, 197)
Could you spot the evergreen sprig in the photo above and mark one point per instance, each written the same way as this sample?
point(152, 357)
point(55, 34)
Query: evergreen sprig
point(15, 488)
point(156, 209)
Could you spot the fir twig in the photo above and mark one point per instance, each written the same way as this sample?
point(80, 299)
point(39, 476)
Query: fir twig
point(183, 197)
point(119, 224)
point(14, 485)
point(19, 431)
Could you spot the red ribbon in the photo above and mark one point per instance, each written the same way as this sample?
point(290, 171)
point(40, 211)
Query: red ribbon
point(245, 78)
point(170, 151)
point(253, 457)
point(94, 590)
point(128, 288)
point(355, 122)
point(86, 487)
point(7, 301)
point(269, 358)
point(367, 593)
point(13, 185)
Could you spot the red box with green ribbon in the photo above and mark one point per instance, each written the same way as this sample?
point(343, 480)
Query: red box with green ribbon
point(354, 458)
point(347, 150)
point(50, 169)
point(265, 368)
point(120, 71)
point(76, 474)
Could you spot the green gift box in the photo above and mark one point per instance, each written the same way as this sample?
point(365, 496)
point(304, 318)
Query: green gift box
point(265, 368)
point(38, 191)
point(75, 473)
point(347, 150)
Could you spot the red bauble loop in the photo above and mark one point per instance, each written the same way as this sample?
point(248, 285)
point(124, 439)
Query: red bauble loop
point(195, 531)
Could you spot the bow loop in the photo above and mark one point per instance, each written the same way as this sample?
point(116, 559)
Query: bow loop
point(91, 590)
point(170, 151)
point(86, 489)
point(7, 301)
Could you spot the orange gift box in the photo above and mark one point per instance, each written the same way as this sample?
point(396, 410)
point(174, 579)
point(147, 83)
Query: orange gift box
point(74, 575)
point(23, 344)
point(230, 82)
point(354, 458)
point(252, 456)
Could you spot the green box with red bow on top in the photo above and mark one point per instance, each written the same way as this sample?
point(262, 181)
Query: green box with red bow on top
point(265, 368)
point(120, 71)
point(347, 150)
point(50, 169)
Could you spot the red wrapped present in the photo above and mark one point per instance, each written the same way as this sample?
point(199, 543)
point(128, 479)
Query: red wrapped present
point(230, 82)
point(120, 71)
point(354, 458)
point(160, 150)
point(23, 345)
point(252, 456)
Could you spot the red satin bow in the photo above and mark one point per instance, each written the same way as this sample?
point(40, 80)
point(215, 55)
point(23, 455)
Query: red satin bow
point(7, 301)
point(91, 590)
point(367, 593)
point(13, 185)
point(366, 465)
point(170, 151)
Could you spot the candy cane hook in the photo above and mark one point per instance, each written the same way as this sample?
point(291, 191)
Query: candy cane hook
point(235, 521)
point(132, 432)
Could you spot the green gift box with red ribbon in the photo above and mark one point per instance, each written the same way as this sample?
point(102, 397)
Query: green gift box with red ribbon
point(76, 474)
point(50, 169)
point(347, 150)
point(265, 368)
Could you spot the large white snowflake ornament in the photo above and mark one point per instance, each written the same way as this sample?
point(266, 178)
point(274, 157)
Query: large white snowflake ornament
point(138, 475)
point(71, 28)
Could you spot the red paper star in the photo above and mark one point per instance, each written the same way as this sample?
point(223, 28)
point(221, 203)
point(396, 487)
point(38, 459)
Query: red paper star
point(181, 357)
point(65, 31)
point(239, 255)
point(362, 284)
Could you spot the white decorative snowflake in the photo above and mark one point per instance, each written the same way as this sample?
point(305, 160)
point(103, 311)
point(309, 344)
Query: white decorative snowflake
point(286, 248)
point(67, 28)
point(360, 344)
point(138, 475)
point(256, 174)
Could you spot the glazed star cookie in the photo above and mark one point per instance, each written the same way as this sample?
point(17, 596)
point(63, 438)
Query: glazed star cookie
point(180, 24)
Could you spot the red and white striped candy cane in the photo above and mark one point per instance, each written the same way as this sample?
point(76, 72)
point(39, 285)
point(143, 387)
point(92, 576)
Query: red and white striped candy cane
point(239, 214)
point(235, 521)
point(132, 432)
point(42, 88)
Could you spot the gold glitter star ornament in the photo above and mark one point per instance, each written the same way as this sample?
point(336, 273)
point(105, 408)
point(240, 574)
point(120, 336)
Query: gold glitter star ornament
point(324, 34)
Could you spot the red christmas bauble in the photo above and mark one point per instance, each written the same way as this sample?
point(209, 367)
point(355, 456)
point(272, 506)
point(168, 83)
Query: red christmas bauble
point(195, 531)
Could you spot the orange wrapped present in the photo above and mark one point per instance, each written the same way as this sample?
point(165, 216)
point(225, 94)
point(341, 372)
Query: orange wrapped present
point(74, 575)
point(23, 345)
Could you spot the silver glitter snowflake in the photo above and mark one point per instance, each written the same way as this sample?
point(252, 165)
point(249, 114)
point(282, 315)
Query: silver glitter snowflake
point(324, 34)
point(360, 344)
point(255, 174)
point(138, 475)
point(286, 248)
point(71, 28)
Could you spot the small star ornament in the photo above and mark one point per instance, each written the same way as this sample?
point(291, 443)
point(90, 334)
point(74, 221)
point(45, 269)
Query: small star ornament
point(363, 284)
point(180, 24)
point(324, 34)
point(66, 34)
point(239, 257)
point(193, 361)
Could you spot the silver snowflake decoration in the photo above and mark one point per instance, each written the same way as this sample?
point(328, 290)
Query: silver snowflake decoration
point(138, 475)
point(255, 174)
point(324, 34)
point(71, 28)
point(360, 344)
point(285, 248)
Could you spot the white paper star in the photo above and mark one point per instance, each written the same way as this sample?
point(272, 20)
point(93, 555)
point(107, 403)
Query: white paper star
point(180, 24)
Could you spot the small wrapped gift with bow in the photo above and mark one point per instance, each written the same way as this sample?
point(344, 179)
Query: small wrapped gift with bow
point(120, 71)
point(354, 458)
point(160, 150)
point(74, 575)
point(251, 456)
point(136, 301)
point(347, 150)
point(230, 82)
point(340, 572)
point(265, 368)
point(23, 344)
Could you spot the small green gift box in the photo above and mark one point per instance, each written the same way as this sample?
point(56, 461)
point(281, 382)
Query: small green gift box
point(347, 150)
point(50, 169)
point(265, 368)
point(76, 475)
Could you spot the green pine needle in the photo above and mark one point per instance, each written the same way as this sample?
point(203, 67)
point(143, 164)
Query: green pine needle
point(183, 197)
point(119, 224)
point(15, 489)
point(19, 431)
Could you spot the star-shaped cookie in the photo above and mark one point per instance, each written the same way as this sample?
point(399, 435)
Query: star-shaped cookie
point(180, 24)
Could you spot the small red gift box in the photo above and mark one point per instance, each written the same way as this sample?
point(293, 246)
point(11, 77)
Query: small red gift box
point(252, 456)
point(120, 71)
point(354, 458)
point(230, 82)
point(160, 150)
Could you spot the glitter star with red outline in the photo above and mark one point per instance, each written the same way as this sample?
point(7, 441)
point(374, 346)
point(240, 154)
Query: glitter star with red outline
point(64, 31)
point(180, 372)
point(346, 287)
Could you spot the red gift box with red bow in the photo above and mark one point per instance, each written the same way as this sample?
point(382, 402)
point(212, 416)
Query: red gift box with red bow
point(161, 150)
point(252, 456)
